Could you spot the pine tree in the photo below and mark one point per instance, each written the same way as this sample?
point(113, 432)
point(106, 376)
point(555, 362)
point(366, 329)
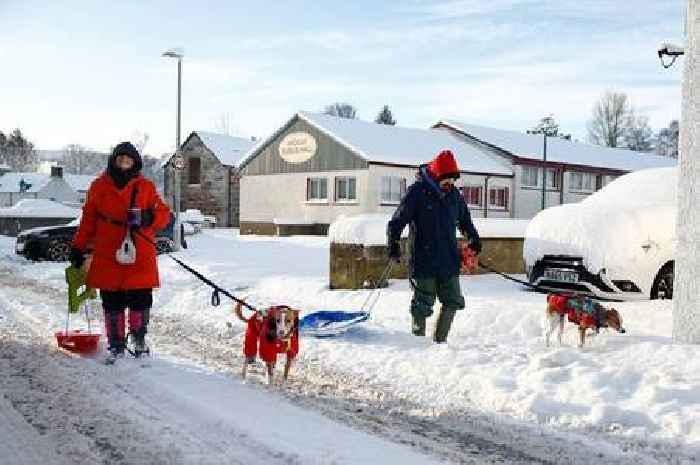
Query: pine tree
point(548, 125)
point(385, 116)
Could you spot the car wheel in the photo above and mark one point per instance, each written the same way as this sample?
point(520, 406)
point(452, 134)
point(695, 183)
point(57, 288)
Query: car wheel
point(663, 283)
point(59, 251)
point(163, 246)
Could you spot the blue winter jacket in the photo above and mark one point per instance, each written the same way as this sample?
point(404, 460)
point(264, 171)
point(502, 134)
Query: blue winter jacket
point(433, 216)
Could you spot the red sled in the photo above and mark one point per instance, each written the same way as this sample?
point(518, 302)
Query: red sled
point(77, 341)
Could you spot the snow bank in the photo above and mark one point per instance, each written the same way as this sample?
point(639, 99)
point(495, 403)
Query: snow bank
point(192, 216)
point(370, 229)
point(39, 208)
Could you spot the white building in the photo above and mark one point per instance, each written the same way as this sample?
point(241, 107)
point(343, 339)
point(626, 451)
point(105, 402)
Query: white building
point(69, 189)
point(317, 167)
point(574, 170)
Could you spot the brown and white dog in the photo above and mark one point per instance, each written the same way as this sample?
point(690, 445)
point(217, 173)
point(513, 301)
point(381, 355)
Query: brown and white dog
point(581, 311)
point(270, 332)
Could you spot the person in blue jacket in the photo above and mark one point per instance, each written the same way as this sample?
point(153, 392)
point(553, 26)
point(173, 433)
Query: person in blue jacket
point(434, 209)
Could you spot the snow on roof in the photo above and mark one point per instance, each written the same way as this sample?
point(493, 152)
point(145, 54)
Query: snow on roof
point(9, 182)
point(370, 228)
point(40, 208)
point(79, 182)
point(559, 150)
point(228, 149)
point(397, 145)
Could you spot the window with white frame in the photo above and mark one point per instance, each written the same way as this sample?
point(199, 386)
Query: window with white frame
point(317, 189)
point(393, 189)
point(581, 182)
point(345, 189)
point(498, 198)
point(552, 179)
point(473, 195)
point(531, 176)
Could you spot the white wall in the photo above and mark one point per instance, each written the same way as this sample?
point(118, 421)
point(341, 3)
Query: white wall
point(265, 197)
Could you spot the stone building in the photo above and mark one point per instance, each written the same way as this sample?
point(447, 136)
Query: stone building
point(210, 181)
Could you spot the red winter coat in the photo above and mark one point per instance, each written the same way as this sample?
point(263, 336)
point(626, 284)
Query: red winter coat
point(105, 206)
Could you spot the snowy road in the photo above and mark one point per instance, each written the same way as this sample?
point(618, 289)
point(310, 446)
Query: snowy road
point(469, 402)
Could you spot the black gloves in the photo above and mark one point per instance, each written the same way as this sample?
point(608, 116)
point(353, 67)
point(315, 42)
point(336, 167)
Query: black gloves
point(77, 258)
point(147, 217)
point(395, 251)
point(475, 246)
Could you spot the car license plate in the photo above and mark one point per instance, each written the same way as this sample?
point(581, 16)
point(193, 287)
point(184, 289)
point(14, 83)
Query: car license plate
point(566, 276)
point(19, 247)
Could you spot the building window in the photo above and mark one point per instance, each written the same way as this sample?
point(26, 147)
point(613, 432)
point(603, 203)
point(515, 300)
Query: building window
point(393, 189)
point(553, 179)
point(498, 198)
point(581, 182)
point(345, 189)
point(473, 195)
point(317, 189)
point(194, 171)
point(531, 176)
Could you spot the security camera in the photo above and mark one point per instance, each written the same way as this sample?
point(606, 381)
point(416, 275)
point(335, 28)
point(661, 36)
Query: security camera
point(671, 50)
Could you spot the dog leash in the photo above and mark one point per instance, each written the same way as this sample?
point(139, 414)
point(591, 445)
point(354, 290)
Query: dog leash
point(215, 299)
point(519, 281)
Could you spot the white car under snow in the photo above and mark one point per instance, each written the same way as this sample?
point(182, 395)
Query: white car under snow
point(619, 243)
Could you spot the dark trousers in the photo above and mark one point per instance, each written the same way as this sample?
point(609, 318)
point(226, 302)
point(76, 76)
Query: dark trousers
point(114, 303)
point(425, 290)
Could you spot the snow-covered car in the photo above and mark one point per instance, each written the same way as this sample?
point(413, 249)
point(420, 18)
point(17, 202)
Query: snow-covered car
point(54, 242)
point(619, 243)
point(193, 220)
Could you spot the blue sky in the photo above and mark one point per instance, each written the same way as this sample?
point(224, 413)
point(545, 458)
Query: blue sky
point(90, 72)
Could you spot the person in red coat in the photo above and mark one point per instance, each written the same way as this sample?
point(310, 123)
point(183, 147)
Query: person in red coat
point(122, 206)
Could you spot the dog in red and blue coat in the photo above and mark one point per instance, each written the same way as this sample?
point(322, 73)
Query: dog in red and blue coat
point(270, 332)
point(582, 311)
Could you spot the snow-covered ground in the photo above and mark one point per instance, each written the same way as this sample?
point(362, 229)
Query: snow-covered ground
point(632, 398)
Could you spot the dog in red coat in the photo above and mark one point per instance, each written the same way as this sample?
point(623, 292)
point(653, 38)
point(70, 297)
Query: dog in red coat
point(268, 333)
point(583, 312)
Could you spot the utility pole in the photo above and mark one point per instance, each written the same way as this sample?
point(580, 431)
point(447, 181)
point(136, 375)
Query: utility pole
point(178, 161)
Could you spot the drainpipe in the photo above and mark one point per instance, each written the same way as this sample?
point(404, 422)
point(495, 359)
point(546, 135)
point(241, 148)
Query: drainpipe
point(486, 197)
point(561, 185)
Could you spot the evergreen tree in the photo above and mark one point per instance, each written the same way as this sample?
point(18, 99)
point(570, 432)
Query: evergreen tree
point(548, 125)
point(385, 116)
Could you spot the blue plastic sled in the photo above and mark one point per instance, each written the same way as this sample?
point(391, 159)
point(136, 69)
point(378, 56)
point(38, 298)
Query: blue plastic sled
point(328, 323)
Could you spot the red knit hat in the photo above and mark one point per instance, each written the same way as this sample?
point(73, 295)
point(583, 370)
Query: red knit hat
point(444, 166)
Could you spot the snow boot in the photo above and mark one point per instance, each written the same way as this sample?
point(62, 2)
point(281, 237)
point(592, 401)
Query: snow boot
point(140, 346)
point(114, 354)
point(444, 323)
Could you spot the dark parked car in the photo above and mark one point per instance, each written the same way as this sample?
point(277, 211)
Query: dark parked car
point(54, 242)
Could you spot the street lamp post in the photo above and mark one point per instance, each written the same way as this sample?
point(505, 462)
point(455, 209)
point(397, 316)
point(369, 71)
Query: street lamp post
point(544, 171)
point(177, 159)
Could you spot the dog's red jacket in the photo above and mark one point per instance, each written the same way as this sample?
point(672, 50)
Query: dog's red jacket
point(257, 340)
point(569, 305)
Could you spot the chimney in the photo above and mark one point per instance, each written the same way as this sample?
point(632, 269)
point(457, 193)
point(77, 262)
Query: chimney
point(56, 171)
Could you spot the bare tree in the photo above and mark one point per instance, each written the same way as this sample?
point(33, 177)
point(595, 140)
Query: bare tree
point(78, 159)
point(222, 125)
point(140, 140)
point(667, 140)
point(342, 110)
point(610, 118)
point(638, 135)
